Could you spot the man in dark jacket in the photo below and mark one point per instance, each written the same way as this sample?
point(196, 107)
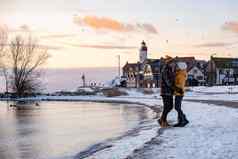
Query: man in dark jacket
point(167, 88)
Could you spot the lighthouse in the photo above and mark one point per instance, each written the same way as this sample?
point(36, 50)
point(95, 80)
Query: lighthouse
point(143, 52)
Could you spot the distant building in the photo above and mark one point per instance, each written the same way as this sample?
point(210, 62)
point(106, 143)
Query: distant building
point(151, 73)
point(195, 69)
point(196, 77)
point(223, 71)
point(130, 72)
point(145, 73)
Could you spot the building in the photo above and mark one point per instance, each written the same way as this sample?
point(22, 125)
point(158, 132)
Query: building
point(151, 73)
point(145, 73)
point(131, 73)
point(222, 71)
point(196, 77)
point(195, 69)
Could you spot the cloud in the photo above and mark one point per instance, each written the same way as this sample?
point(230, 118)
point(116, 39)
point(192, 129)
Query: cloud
point(24, 28)
point(108, 47)
point(231, 26)
point(55, 36)
point(104, 23)
point(148, 27)
point(214, 44)
point(97, 23)
point(40, 46)
point(50, 47)
point(102, 46)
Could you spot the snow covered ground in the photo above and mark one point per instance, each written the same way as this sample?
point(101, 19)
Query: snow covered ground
point(211, 133)
point(215, 89)
point(124, 147)
point(223, 93)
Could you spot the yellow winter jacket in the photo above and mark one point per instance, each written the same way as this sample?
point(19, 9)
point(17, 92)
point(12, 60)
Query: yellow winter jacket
point(180, 81)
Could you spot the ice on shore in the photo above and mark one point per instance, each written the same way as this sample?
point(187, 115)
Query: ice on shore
point(122, 148)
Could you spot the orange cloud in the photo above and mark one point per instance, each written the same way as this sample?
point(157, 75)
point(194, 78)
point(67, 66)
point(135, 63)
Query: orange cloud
point(112, 24)
point(231, 26)
point(104, 23)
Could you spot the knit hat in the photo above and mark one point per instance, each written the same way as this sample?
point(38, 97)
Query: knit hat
point(182, 65)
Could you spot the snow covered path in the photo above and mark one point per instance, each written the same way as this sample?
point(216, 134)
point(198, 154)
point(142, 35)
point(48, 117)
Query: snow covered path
point(212, 133)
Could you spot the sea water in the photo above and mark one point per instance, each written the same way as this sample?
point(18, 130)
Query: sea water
point(61, 129)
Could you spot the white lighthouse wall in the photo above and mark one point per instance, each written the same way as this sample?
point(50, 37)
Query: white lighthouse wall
point(143, 55)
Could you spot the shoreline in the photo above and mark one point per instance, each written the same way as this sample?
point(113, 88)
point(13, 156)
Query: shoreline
point(109, 143)
point(100, 99)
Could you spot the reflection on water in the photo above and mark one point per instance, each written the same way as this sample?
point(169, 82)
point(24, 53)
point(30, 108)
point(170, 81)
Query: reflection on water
point(59, 129)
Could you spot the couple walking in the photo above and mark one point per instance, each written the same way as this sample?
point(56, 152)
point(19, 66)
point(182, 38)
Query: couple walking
point(173, 79)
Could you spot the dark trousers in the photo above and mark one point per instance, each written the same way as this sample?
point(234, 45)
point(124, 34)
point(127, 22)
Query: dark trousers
point(168, 106)
point(178, 103)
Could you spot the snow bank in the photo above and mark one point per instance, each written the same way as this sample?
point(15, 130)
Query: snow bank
point(205, 93)
point(86, 89)
point(215, 89)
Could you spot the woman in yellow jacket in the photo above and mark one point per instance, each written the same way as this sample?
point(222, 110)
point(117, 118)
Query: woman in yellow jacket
point(180, 81)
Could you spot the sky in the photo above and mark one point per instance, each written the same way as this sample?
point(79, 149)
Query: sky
point(92, 33)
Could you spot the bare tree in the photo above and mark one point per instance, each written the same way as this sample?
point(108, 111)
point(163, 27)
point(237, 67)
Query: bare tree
point(3, 39)
point(3, 47)
point(26, 56)
point(5, 73)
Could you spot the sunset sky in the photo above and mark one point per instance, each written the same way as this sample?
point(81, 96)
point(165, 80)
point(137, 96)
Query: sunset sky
point(91, 33)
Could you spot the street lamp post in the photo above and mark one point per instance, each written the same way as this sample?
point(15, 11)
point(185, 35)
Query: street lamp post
point(137, 75)
point(119, 66)
point(212, 69)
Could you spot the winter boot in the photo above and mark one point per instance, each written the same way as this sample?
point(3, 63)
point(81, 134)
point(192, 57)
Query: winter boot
point(163, 124)
point(179, 122)
point(182, 122)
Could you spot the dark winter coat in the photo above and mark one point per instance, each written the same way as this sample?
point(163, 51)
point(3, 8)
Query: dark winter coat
point(167, 80)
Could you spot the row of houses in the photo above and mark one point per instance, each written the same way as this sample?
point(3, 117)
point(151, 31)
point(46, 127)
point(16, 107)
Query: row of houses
point(147, 72)
point(222, 71)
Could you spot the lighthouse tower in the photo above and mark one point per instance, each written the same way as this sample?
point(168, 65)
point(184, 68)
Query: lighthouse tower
point(143, 52)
